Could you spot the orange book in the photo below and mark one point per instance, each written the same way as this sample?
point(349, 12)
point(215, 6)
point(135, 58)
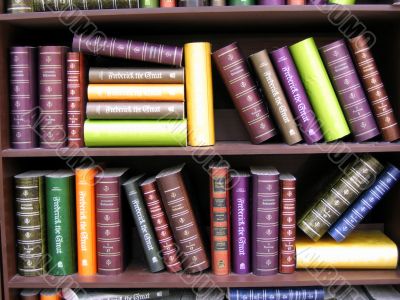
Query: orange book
point(50, 294)
point(86, 219)
point(142, 92)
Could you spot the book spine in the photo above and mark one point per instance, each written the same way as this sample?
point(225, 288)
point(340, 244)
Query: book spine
point(199, 94)
point(349, 90)
point(265, 225)
point(241, 225)
point(128, 92)
point(330, 206)
point(75, 98)
point(23, 97)
point(124, 295)
point(312, 293)
point(143, 225)
point(192, 3)
point(135, 110)
point(316, 2)
point(276, 98)
point(110, 250)
point(167, 3)
point(220, 220)
point(18, 6)
point(50, 294)
point(296, 95)
point(271, 2)
point(52, 96)
point(136, 75)
point(218, 3)
point(244, 93)
point(287, 230)
point(342, 2)
point(31, 226)
point(364, 204)
point(375, 89)
point(296, 2)
point(102, 133)
point(58, 5)
point(60, 223)
point(128, 49)
point(149, 3)
point(241, 2)
point(29, 294)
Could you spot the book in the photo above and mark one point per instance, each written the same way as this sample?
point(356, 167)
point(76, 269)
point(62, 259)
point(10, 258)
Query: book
point(31, 223)
point(58, 5)
point(271, 2)
point(316, 2)
point(86, 219)
point(240, 220)
point(61, 238)
point(199, 94)
point(143, 224)
point(218, 3)
point(358, 175)
point(244, 93)
point(220, 222)
point(154, 205)
point(30, 294)
point(296, 2)
point(109, 221)
point(386, 292)
point(137, 75)
point(349, 90)
point(192, 3)
point(76, 98)
point(363, 249)
point(133, 92)
point(52, 96)
point(23, 97)
point(348, 221)
point(18, 6)
point(374, 86)
point(309, 293)
point(128, 49)
point(50, 294)
point(137, 110)
point(100, 294)
point(342, 2)
point(149, 3)
point(265, 220)
point(275, 97)
point(241, 2)
point(113, 133)
point(287, 223)
point(167, 3)
point(296, 95)
point(319, 89)
point(178, 208)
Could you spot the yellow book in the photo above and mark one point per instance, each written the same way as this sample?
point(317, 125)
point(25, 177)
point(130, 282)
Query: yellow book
point(362, 249)
point(199, 94)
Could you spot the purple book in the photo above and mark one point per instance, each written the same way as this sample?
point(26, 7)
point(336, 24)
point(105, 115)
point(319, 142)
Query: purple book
point(316, 2)
point(296, 95)
point(271, 2)
point(23, 97)
point(349, 90)
point(240, 221)
point(128, 49)
point(265, 221)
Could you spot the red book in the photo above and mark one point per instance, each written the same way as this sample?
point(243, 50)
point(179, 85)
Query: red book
point(167, 3)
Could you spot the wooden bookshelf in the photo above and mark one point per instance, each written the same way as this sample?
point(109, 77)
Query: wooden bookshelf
point(254, 28)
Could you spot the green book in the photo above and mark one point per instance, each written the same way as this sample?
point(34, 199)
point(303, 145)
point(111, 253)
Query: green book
point(149, 3)
point(109, 133)
point(320, 90)
point(60, 200)
point(343, 2)
point(241, 2)
point(19, 6)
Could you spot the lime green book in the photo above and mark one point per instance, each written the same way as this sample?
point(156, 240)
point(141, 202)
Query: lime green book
point(343, 2)
point(120, 133)
point(320, 90)
point(149, 3)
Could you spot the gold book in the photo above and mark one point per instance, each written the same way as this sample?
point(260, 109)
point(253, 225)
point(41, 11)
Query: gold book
point(362, 249)
point(199, 94)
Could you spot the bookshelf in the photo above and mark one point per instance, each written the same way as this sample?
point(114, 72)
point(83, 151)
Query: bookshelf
point(265, 27)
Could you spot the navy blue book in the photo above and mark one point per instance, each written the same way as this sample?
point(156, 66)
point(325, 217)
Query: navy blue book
point(298, 293)
point(365, 203)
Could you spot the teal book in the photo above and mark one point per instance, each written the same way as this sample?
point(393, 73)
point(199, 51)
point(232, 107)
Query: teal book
point(61, 240)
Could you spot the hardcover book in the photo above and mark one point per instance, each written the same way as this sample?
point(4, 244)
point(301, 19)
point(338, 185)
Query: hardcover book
point(149, 3)
point(309, 293)
point(117, 294)
point(59, 5)
point(241, 2)
point(271, 2)
point(342, 2)
point(192, 3)
point(50, 294)
point(18, 6)
point(30, 294)
point(296, 2)
point(167, 3)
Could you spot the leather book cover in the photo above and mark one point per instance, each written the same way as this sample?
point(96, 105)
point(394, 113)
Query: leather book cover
point(59, 5)
point(50, 294)
point(349, 90)
point(220, 223)
point(23, 97)
point(76, 98)
point(128, 49)
point(265, 221)
point(244, 93)
point(375, 88)
point(154, 205)
point(275, 97)
point(199, 94)
point(287, 224)
point(30, 294)
point(143, 224)
point(52, 96)
point(167, 3)
point(149, 3)
point(182, 219)
point(309, 293)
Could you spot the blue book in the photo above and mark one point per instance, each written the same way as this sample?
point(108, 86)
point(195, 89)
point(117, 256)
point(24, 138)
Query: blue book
point(365, 203)
point(295, 293)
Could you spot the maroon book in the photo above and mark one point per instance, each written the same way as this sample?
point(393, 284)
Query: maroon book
point(23, 97)
point(52, 96)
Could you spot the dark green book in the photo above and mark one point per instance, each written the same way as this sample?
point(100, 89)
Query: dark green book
point(61, 5)
point(31, 222)
point(241, 2)
point(143, 224)
point(60, 200)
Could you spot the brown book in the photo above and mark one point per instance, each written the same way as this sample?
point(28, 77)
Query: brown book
point(30, 294)
point(275, 97)
point(76, 95)
point(182, 220)
point(375, 89)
